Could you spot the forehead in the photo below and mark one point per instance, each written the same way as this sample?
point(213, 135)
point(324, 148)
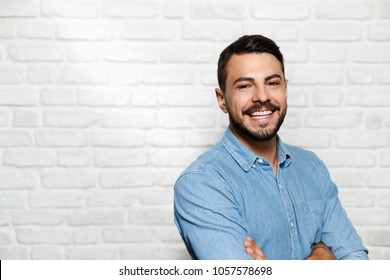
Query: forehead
point(253, 63)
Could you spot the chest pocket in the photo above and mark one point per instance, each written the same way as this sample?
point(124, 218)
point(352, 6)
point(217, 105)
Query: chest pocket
point(314, 214)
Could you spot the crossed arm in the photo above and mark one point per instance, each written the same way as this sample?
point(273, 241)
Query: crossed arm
point(320, 251)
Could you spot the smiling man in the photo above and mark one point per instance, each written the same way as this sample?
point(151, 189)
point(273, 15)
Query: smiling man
point(251, 195)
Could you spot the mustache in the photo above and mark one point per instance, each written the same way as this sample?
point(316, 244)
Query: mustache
point(267, 106)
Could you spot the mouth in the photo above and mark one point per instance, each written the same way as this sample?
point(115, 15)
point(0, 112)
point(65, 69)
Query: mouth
point(261, 114)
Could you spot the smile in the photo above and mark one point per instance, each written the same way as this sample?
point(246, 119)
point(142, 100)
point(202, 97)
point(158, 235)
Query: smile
point(261, 114)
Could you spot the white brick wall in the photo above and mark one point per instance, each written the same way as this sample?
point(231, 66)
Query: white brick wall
point(104, 102)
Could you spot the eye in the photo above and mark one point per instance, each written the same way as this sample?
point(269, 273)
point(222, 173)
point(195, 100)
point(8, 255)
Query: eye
point(274, 83)
point(244, 86)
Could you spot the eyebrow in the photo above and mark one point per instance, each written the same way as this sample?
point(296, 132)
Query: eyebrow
point(250, 79)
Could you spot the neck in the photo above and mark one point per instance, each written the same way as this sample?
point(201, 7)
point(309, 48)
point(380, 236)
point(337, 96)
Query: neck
point(265, 149)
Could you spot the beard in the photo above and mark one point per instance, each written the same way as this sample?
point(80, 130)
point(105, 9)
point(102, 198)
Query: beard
point(262, 133)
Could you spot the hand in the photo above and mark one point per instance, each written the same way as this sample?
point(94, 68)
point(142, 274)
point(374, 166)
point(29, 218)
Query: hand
point(252, 249)
point(321, 252)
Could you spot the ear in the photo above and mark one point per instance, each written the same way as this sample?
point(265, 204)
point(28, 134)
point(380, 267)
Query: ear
point(221, 99)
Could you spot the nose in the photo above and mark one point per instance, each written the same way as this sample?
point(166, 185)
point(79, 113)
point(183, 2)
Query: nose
point(260, 94)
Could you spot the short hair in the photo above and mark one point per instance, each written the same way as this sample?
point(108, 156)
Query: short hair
point(246, 44)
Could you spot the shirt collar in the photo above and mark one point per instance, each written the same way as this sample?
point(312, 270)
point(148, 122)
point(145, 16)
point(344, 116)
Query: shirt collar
point(245, 157)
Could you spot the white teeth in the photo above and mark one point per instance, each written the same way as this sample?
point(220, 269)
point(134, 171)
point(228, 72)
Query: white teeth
point(261, 113)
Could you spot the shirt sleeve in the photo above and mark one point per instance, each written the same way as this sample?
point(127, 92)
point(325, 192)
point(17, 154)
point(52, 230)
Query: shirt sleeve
point(338, 232)
point(208, 217)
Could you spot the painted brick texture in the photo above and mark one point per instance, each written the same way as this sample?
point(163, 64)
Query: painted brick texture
point(104, 102)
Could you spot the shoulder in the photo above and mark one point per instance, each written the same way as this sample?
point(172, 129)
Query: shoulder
point(302, 156)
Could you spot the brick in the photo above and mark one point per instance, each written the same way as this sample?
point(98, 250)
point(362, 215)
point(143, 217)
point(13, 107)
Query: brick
point(360, 75)
point(358, 96)
point(362, 139)
point(36, 53)
point(377, 236)
point(4, 219)
point(92, 253)
point(145, 98)
point(151, 215)
point(379, 253)
point(148, 31)
point(344, 9)
point(168, 176)
point(74, 157)
point(208, 76)
point(174, 157)
point(85, 236)
point(166, 76)
point(133, 119)
point(384, 9)
point(206, 31)
point(306, 139)
point(191, 97)
point(124, 75)
point(139, 234)
point(37, 217)
point(96, 217)
point(170, 252)
point(131, 178)
point(12, 200)
point(133, 9)
point(106, 138)
point(56, 199)
point(385, 158)
point(181, 118)
point(280, 11)
point(297, 96)
point(12, 74)
point(14, 9)
point(292, 54)
point(47, 138)
point(182, 54)
point(278, 32)
point(40, 74)
point(370, 53)
point(379, 178)
point(130, 54)
point(369, 216)
point(48, 252)
point(357, 198)
point(382, 198)
point(14, 138)
point(203, 138)
point(29, 158)
point(82, 52)
point(294, 119)
point(14, 252)
point(73, 119)
point(7, 29)
point(174, 9)
point(4, 118)
point(345, 158)
point(108, 198)
point(21, 180)
point(383, 75)
point(85, 32)
point(156, 197)
point(26, 118)
point(214, 10)
point(90, 97)
point(327, 97)
point(83, 75)
point(373, 119)
point(58, 97)
point(170, 235)
point(331, 118)
point(341, 32)
point(315, 75)
point(167, 138)
point(18, 97)
point(328, 53)
point(44, 236)
point(66, 179)
point(36, 30)
point(379, 32)
point(6, 237)
point(121, 158)
point(135, 252)
point(70, 9)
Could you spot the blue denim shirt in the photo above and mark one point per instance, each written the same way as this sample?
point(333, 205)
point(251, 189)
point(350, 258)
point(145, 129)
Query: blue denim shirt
point(229, 193)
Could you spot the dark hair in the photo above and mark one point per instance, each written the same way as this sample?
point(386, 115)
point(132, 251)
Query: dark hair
point(246, 44)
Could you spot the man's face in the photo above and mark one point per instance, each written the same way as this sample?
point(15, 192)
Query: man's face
point(255, 96)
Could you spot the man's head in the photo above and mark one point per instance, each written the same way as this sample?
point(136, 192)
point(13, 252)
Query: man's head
point(253, 88)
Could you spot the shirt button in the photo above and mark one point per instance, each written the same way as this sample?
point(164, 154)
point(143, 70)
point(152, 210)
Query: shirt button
point(292, 224)
point(280, 186)
point(260, 160)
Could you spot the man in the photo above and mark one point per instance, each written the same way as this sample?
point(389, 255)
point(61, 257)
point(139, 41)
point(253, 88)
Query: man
point(251, 195)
